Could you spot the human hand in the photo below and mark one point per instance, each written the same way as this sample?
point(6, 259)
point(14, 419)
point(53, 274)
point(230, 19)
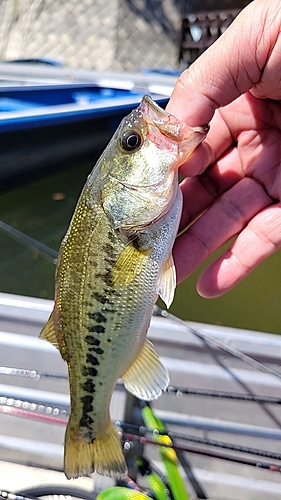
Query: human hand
point(236, 85)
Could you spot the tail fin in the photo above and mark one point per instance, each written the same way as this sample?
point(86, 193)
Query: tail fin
point(103, 455)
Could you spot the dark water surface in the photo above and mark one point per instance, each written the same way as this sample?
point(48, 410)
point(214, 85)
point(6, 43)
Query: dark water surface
point(43, 208)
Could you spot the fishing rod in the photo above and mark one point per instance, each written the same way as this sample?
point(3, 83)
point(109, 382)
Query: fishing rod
point(210, 339)
point(206, 453)
point(33, 407)
point(191, 476)
point(140, 430)
point(18, 412)
point(29, 242)
point(252, 398)
point(137, 431)
point(36, 375)
point(169, 444)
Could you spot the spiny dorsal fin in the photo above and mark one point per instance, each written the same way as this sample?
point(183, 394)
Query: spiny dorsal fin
point(167, 282)
point(49, 331)
point(128, 265)
point(147, 377)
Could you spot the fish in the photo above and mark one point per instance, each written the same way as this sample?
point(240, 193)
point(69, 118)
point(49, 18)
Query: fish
point(114, 262)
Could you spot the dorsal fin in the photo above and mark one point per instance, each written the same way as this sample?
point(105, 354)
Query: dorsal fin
point(49, 331)
point(53, 335)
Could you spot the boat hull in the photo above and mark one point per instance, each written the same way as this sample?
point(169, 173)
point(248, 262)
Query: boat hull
point(46, 127)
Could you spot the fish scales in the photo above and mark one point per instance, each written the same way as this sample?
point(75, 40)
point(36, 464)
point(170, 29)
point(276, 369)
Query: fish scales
point(113, 263)
point(101, 311)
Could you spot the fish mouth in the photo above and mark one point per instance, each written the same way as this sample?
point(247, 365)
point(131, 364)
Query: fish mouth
point(177, 133)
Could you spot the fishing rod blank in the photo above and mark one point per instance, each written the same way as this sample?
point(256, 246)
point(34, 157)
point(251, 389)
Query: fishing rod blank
point(140, 430)
point(29, 242)
point(36, 375)
point(217, 343)
point(206, 453)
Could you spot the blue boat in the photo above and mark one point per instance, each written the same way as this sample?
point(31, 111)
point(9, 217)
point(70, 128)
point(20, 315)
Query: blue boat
point(51, 123)
point(33, 106)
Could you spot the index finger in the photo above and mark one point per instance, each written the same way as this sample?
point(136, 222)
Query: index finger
point(228, 68)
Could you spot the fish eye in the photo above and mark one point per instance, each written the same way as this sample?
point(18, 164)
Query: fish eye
point(131, 141)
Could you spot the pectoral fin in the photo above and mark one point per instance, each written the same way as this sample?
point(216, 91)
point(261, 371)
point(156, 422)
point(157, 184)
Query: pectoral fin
point(147, 377)
point(167, 283)
point(128, 266)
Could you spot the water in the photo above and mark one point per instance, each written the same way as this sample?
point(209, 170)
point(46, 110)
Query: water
point(43, 208)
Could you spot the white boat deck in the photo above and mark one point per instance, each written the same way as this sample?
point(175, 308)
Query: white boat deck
point(192, 363)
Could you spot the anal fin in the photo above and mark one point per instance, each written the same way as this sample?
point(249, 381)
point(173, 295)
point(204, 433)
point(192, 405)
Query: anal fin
point(147, 377)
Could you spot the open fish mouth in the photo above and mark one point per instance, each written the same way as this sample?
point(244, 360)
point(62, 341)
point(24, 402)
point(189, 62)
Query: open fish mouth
point(166, 130)
point(168, 124)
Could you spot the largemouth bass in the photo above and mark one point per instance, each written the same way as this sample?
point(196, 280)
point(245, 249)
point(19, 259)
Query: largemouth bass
point(114, 262)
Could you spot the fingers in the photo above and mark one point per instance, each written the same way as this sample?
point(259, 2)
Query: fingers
point(258, 240)
point(218, 140)
point(224, 219)
point(199, 160)
point(226, 129)
point(200, 192)
point(230, 67)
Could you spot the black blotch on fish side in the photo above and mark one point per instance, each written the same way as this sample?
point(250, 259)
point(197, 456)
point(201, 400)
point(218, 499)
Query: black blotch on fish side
point(98, 317)
point(110, 261)
point(87, 403)
point(88, 386)
point(92, 340)
point(108, 311)
point(86, 419)
point(106, 277)
point(89, 370)
point(96, 328)
point(111, 237)
point(102, 299)
point(97, 350)
point(109, 249)
point(92, 371)
point(92, 360)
